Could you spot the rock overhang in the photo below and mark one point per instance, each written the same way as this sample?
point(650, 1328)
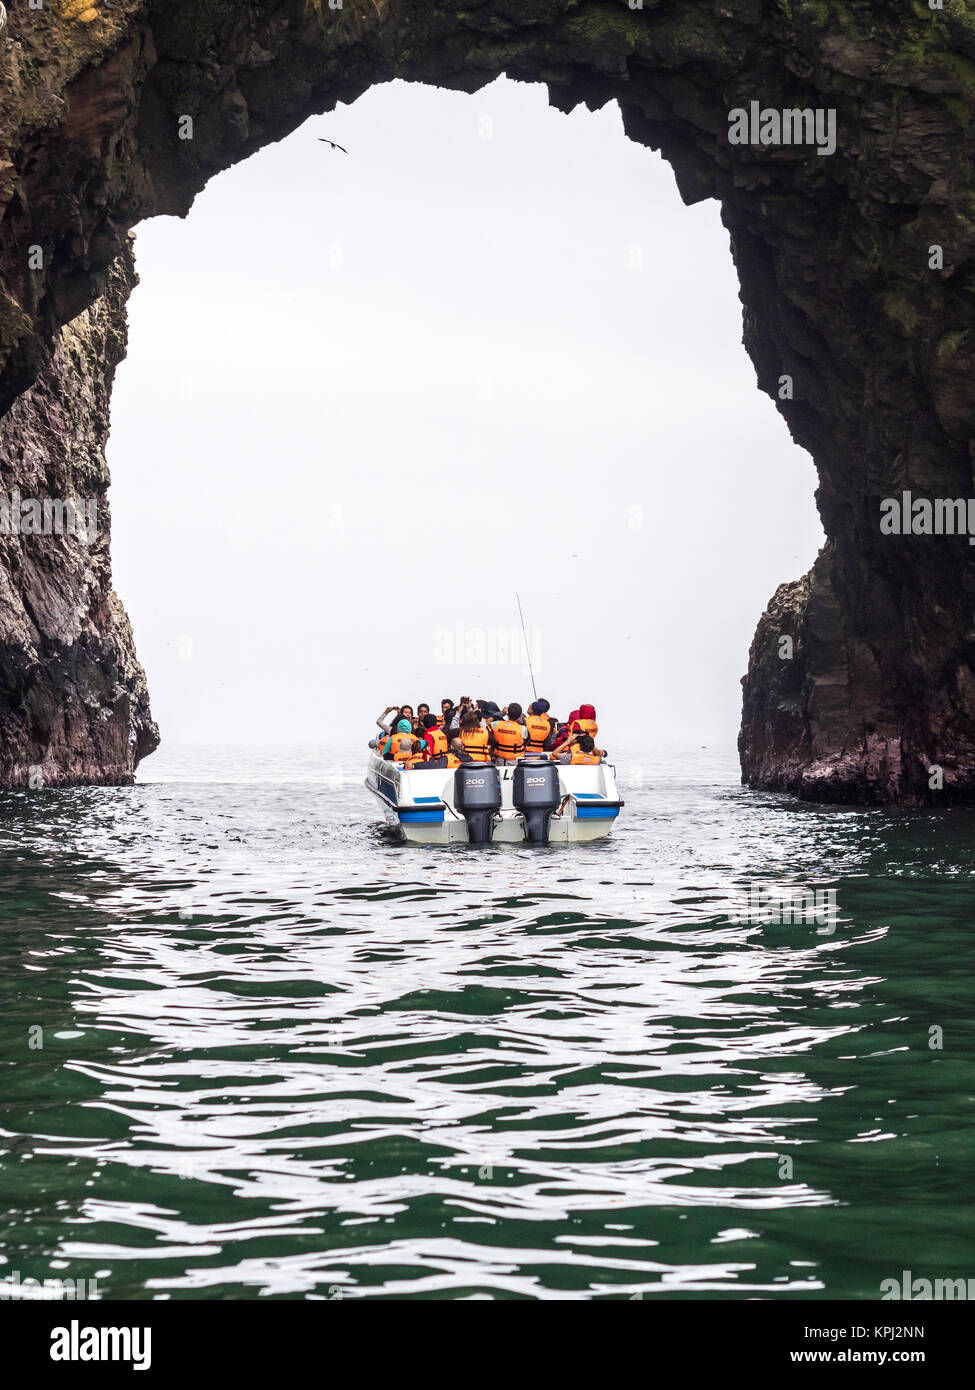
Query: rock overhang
point(116, 113)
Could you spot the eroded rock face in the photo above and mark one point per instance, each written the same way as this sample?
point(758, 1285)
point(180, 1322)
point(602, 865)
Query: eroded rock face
point(840, 290)
point(73, 701)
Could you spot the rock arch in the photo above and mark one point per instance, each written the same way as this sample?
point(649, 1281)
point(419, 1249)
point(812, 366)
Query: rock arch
point(841, 292)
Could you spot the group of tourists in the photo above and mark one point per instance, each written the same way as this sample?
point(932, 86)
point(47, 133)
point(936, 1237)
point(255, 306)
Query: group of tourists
point(479, 731)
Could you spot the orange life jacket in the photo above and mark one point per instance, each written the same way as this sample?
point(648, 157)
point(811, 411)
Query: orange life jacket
point(475, 743)
point(436, 742)
point(398, 752)
point(508, 741)
point(585, 726)
point(539, 729)
point(579, 757)
point(448, 759)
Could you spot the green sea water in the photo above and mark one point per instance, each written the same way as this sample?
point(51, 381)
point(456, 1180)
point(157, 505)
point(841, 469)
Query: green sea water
point(251, 1046)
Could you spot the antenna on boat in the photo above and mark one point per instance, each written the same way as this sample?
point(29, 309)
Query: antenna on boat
point(527, 648)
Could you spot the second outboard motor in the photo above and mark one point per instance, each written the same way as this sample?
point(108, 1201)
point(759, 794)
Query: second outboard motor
point(536, 795)
point(477, 796)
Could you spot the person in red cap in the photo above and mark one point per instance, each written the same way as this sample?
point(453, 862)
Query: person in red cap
point(585, 721)
point(565, 730)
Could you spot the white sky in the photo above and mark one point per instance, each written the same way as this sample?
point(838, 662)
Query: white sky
point(369, 397)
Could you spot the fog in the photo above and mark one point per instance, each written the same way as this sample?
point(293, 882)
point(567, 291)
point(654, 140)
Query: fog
point(369, 398)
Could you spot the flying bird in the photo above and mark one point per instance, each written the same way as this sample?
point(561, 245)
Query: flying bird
point(333, 145)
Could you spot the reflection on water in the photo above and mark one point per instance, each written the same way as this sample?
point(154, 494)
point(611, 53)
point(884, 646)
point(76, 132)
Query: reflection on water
point(285, 1055)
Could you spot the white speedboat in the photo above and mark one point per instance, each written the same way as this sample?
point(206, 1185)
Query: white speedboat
point(533, 799)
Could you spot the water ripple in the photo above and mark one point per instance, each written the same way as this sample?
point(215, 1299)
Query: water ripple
point(284, 1056)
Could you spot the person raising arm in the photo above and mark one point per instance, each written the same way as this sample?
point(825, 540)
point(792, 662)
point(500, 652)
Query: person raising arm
point(381, 721)
point(580, 749)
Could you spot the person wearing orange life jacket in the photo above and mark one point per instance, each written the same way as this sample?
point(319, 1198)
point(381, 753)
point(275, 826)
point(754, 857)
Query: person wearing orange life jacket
point(586, 722)
point(581, 749)
point(447, 757)
point(474, 741)
point(509, 735)
point(441, 757)
point(538, 728)
point(434, 761)
point(399, 745)
point(434, 749)
point(434, 738)
point(427, 748)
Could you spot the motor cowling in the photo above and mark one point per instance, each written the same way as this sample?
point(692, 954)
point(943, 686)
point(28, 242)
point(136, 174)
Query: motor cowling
point(536, 795)
point(477, 796)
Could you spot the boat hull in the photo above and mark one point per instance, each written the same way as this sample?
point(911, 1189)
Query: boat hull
point(418, 803)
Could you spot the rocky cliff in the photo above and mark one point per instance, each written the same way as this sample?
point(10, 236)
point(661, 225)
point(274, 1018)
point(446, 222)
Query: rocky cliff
point(73, 701)
point(857, 271)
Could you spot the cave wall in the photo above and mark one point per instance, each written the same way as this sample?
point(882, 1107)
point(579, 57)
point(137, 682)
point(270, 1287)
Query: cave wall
point(833, 257)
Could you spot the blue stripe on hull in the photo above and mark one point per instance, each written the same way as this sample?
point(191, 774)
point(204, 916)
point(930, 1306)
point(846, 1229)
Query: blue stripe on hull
point(409, 815)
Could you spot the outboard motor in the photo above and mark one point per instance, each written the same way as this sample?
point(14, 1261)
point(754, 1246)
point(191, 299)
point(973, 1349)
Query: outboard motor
point(477, 795)
point(536, 795)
